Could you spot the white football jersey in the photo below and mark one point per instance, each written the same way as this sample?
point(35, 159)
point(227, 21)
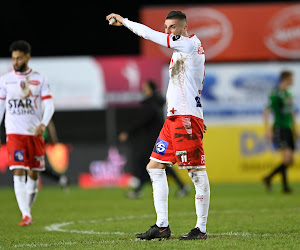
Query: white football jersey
point(186, 74)
point(186, 69)
point(23, 94)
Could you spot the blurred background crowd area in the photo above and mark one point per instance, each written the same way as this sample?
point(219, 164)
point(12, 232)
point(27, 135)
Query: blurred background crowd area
point(96, 73)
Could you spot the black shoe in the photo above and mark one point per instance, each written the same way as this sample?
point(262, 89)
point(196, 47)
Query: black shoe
point(155, 232)
point(267, 183)
point(194, 234)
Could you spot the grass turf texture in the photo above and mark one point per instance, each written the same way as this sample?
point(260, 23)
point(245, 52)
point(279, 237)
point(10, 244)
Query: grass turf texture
point(242, 216)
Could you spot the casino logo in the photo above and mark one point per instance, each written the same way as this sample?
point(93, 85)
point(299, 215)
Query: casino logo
point(283, 33)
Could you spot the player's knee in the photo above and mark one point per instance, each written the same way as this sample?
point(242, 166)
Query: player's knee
point(155, 165)
point(34, 175)
point(19, 171)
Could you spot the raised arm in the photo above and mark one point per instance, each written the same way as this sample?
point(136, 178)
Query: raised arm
point(179, 43)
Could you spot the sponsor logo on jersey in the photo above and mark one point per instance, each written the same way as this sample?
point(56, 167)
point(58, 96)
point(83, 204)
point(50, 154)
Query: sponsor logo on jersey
point(161, 146)
point(20, 106)
point(34, 82)
point(19, 155)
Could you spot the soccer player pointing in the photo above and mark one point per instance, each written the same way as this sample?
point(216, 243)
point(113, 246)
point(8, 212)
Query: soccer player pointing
point(22, 93)
point(180, 139)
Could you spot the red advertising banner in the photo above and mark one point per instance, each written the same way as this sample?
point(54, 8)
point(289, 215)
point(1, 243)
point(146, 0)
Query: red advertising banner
point(124, 77)
point(243, 32)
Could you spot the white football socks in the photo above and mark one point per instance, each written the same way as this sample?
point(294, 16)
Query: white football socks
point(200, 180)
point(160, 195)
point(21, 195)
point(32, 190)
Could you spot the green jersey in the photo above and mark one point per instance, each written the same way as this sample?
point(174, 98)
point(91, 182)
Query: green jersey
point(281, 103)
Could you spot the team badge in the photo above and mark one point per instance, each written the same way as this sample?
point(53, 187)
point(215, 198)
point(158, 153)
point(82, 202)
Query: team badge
point(22, 84)
point(160, 146)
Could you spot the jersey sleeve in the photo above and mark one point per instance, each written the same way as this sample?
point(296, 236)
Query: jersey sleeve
point(2, 89)
point(180, 43)
point(45, 90)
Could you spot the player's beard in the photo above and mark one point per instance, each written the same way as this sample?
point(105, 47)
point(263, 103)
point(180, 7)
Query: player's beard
point(22, 68)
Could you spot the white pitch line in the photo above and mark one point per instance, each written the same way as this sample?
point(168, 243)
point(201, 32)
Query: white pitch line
point(58, 227)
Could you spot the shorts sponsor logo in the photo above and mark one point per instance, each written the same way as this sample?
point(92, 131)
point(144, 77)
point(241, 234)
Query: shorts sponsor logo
point(161, 146)
point(182, 155)
point(19, 155)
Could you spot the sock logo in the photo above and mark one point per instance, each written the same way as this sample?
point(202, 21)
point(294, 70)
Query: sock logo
point(19, 155)
point(161, 146)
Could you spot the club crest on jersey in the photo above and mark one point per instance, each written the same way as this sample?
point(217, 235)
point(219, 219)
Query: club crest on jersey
point(176, 37)
point(160, 146)
point(22, 84)
point(19, 155)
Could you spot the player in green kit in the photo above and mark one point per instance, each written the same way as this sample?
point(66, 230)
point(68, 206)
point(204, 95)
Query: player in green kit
point(283, 131)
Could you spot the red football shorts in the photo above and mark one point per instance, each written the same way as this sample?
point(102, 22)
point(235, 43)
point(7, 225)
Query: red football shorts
point(26, 152)
point(180, 140)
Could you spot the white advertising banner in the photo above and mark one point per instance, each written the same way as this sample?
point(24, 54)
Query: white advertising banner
point(241, 90)
point(76, 82)
point(86, 82)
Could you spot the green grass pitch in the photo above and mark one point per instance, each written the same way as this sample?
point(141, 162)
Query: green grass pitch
point(242, 216)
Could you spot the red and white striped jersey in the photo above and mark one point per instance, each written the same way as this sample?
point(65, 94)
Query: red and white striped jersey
point(186, 74)
point(23, 94)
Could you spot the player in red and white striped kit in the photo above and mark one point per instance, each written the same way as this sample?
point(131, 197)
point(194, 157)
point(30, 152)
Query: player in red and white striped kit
point(23, 92)
point(180, 139)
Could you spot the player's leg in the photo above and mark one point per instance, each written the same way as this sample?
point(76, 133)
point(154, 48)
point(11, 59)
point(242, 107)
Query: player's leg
point(284, 141)
point(202, 199)
point(160, 187)
point(32, 185)
point(157, 173)
point(18, 162)
point(161, 156)
point(190, 155)
point(21, 196)
point(287, 156)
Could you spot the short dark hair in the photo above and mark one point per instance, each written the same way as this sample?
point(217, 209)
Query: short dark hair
point(176, 14)
point(20, 45)
point(285, 74)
